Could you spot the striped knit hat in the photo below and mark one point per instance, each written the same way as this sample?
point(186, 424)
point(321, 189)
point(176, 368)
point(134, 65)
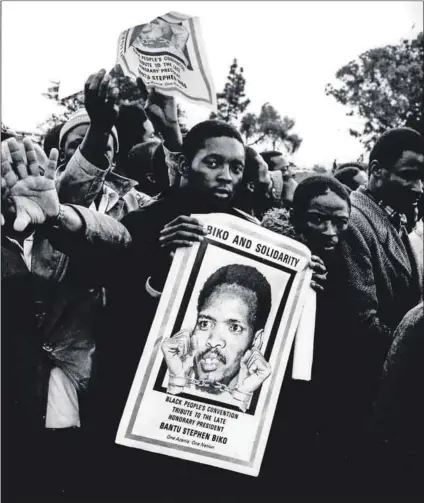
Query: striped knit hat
point(77, 119)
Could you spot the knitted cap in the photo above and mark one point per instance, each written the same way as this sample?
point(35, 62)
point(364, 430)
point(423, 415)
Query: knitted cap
point(79, 118)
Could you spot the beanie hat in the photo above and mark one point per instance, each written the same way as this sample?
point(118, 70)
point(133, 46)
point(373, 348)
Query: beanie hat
point(79, 118)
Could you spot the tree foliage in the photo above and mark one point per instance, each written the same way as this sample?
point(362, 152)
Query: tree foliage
point(232, 101)
point(384, 86)
point(269, 127)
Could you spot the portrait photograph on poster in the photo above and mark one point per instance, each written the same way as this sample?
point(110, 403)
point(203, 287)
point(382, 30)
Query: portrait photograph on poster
point(218, 347)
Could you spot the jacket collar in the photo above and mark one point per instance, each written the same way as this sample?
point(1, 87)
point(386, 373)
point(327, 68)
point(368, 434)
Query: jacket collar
point(375, 214)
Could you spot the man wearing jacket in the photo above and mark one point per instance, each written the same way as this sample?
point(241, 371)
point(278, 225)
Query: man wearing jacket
point(382, 270)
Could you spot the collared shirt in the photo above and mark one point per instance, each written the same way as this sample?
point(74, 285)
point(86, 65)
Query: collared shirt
point(25, 249)
point(62, 400)
point(107, 202)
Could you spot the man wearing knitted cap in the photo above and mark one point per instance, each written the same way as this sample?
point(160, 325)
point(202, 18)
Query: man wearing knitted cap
point(88, 143)
point(73, 132)
point(382, 270)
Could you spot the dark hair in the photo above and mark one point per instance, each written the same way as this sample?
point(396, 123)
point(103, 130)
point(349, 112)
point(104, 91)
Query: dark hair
point(357, 165)
point(246, 277)
point(346, 177)
point(393, 143)
point(250, 173)
point(268, 155)
point(142, 160)
point(51, 140)
point(198, 134)
point(313, 186)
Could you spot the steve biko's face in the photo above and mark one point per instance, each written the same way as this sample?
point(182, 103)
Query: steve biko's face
point(223, 332)
point(218, 167)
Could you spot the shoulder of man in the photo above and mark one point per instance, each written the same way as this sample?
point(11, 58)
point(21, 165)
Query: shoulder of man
point(367, 217)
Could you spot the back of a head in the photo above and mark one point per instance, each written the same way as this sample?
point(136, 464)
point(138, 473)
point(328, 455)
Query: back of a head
point(251, 166)
point(346, 176)
point(198, 134)
point(389, 148)
point(141, 162)
point(314, 186)
point(268, 157)
point(357, 165)
point(51, 140)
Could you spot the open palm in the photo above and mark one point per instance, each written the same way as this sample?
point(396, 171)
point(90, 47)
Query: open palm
point(33, 195)
point(35, 199)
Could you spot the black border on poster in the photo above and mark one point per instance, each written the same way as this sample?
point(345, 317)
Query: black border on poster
point(183, 308)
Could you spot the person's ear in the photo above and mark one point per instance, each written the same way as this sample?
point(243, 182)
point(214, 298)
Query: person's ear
point(375, 168)
point(183, 167)
point(258, 340)
point(250, 186)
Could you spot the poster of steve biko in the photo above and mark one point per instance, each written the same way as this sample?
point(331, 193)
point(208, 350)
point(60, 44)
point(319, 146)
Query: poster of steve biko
point(214, 361)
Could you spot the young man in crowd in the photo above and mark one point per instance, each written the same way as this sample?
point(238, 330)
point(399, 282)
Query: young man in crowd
point(88, 144)
point(382, 270)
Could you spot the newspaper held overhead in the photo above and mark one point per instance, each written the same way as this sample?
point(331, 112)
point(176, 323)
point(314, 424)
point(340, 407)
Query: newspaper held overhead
point(210, 375)
point(168, 54)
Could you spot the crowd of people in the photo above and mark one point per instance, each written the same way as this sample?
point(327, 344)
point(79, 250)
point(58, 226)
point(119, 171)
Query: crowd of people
point(90, 225)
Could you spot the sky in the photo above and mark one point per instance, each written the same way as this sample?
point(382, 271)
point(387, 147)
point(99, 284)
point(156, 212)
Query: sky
point(289, 51)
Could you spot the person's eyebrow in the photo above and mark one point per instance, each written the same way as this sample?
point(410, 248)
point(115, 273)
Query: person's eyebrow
point(206, 316)
point(234, 320)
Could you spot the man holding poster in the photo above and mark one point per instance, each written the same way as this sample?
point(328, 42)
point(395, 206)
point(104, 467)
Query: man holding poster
point(221, 356)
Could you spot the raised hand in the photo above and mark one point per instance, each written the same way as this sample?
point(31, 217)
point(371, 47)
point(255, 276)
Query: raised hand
point(100, 97)
point(161, 110)
point(33, 195)
point(253, 371)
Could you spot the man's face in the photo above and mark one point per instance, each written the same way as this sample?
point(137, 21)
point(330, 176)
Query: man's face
point(402, 186)
point(326, 217)
point(223, 333)
point(74, 139)
point(218, 167)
